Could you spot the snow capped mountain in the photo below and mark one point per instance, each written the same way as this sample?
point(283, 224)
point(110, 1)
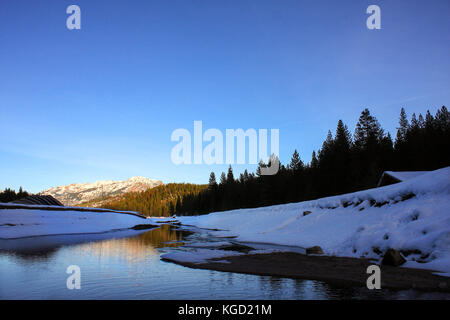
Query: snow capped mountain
point(77, 193)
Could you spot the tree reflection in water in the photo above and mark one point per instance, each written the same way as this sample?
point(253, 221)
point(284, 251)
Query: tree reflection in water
point(136, 248)
point(121, 244)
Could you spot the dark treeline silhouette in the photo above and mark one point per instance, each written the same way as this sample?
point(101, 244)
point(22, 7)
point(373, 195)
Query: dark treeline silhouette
point(161, 201)
point(345, 163)
point(10, 195)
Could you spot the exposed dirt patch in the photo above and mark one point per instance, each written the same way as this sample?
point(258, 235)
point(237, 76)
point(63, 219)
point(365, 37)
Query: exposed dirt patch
point(337, 270)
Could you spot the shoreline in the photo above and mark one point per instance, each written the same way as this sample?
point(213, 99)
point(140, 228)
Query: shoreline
point(341, 271)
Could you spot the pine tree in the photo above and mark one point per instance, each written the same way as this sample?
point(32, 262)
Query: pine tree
point(403, 127)
point(442, 118)
point(314, 162)
point(246, 176)
point(230, 176)
point(296, 163)
point(368, 130)
point(343, 139)
point(429, 120)
point(421, 122)
point(261, 164)
point(223, 178)
point(212, 181)
point(328, 142)
point(342, 166)
point(414, 122)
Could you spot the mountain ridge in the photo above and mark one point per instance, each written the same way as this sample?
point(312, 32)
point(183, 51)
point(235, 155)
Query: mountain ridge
point(77, 193)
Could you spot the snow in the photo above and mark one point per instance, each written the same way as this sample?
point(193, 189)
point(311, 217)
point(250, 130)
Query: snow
point(411, 215)
point(77, 193)
point(18, 223)
point(405, 175)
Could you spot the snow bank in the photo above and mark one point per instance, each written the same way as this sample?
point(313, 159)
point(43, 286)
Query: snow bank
point(11, 205)
point(18, 223)
point(405, 175)
point(205, 254)
point(412, 216)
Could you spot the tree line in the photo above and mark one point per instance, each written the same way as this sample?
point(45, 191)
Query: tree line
point(345, 163)
point(160, 201)
point(8, 195)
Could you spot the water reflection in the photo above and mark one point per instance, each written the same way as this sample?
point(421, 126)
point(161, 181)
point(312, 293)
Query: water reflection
point(130, 243)
point(28, 257)
point(137, 248)
point(127, 265)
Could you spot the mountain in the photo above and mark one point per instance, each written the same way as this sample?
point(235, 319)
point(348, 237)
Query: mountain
point(93, 194)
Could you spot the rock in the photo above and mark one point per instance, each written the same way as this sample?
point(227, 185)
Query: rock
point(314, 250)
point(406, 253)
point(305, 213)
point(346, 204)
point(393, 258)
point(143, 226)
point(377, 250)
point(236, 247)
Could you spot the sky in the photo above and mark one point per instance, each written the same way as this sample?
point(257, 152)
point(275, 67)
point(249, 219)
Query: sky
point(101, 103)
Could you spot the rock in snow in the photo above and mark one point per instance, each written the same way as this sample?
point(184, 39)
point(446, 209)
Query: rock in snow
point(393, 258)
point(314, 250)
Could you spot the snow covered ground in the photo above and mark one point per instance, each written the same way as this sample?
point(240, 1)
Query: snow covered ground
point(35, 221)
point(412, 216)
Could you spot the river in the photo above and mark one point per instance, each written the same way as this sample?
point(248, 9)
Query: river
point(127, 265)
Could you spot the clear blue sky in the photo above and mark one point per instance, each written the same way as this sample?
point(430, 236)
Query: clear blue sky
point(101, 102)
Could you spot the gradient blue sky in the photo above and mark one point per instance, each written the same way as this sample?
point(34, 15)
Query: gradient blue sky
point(101, 102)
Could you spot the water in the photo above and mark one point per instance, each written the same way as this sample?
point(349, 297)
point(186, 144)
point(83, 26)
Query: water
point(127, 265)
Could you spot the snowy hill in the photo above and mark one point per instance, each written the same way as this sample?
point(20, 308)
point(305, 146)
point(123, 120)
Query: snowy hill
point(78, 193)
point(412, 216)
